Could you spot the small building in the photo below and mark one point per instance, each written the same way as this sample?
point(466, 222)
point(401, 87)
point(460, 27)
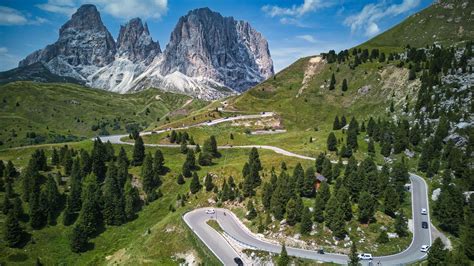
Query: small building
point(319, 179)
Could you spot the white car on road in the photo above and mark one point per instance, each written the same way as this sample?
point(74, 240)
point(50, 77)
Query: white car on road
point(425, 248)
point(210, 211)
point(365, 256)
point(423, 211)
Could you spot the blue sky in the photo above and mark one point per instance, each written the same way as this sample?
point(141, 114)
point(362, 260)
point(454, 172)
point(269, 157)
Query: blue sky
point(293, 28)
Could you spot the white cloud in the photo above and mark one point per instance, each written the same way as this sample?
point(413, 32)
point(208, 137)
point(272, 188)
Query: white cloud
point(122, 9)
point(368, 18)
point(294, 22)
point(372, 29)
point(296, 10)
point(3, 50)
point(307, 38)
point(11, 16)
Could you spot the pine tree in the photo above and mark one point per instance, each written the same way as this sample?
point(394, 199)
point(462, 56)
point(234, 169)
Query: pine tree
point(383, 237)
point(283, 259)
point(132, 200)
point(291, 212)
point(266, 195)
point(437, 253)
point(332, 142)
point(180, 179)
point(251, 212)
point(327, 170)
point(213, 146)
point(55, 157)
point(98, 157)
point(401, 227)
point(308, 185)
point(184, 147)
point(114, 205)
point(412, 74)
point(195, 185)
point(336, 124)
point(344, 85)
point(343, 198)
point(205, 159)
point(366, 207)
point(37, 214)
point(90, 217)
point(371, 147)
point(254, 158)
point(467, 231)
point(74, 201)
point(208, 183)
point(159, 163)
point(148, 175)
point(10, 170)
point(449, 208)
point(331, 207)
point(79, 239)
point(319, 206)
point(332, 83)
point(53, 198)
point(338, 224)
point(13, 233)
point(138, 152)
point(390, 201)
point(306, 223)
point(173, 136)
point(325, 192)
point(351, 139)
point(298, 177)
point(248, 186)
point(353, 256)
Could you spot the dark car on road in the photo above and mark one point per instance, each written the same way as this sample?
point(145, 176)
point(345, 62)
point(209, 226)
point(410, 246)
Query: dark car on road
point(424, 225)
point(238, 261)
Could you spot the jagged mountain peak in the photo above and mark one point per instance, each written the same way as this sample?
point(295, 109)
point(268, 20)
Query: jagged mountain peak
point(87, 17)
point(209, 56)
point(135, 43)
point(206, 44)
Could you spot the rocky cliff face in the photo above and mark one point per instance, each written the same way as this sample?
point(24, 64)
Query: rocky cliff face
point(83, 41)
point(135, 43)
point(206, 44)
point(208, 56)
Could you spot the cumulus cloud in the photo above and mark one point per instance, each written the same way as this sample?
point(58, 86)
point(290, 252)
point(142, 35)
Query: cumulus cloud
point(307, 38)
point(368, 18)
point(294, 22)
point(65, 7)
point(296, 10)
point(122, 9)
point(10, 16)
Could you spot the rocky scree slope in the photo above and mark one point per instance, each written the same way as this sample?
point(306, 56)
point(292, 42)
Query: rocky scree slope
point(209, 56)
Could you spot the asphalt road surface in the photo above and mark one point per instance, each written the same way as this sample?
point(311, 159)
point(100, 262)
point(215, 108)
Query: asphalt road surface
point(235, 229)
point(196, 219)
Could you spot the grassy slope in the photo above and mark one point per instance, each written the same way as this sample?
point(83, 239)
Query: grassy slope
point(438, 23)
point(66, 109)
point(129, 244)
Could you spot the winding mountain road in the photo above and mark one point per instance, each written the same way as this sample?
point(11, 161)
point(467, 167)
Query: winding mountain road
point(232, 226)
